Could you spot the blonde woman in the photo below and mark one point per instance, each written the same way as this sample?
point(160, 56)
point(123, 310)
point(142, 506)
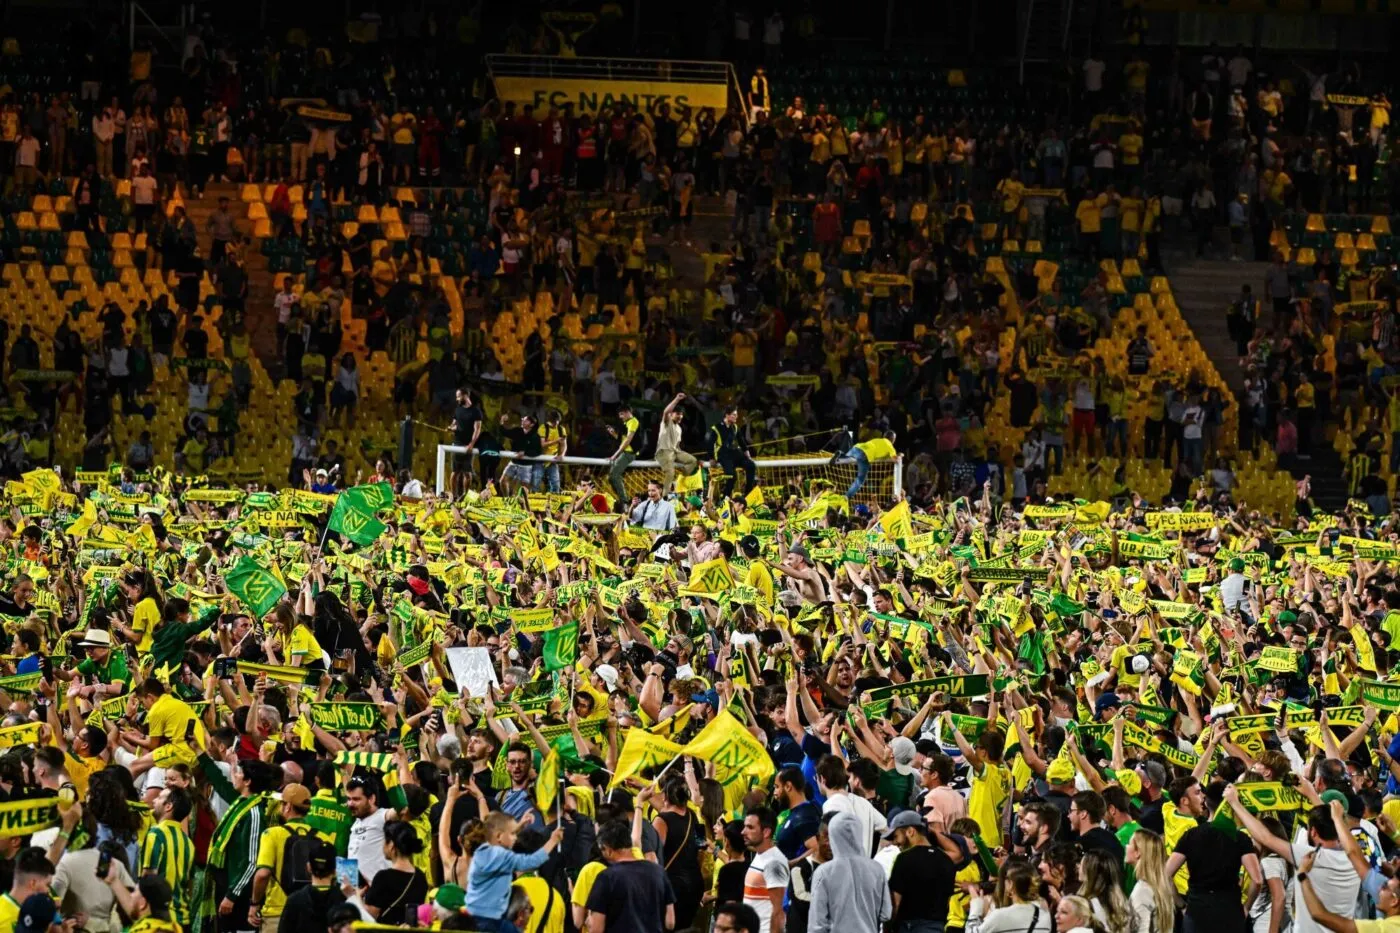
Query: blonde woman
point(1074, 914)
point(1154, 896)
point(1101, 884)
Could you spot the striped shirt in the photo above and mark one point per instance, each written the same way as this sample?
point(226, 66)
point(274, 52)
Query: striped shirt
point(167, 851)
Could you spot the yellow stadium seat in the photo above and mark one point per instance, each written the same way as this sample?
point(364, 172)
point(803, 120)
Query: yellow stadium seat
point(268, 192)
point(1278, 238)
point(811, 262)
point(1033, 246)
point(121, 259)
point(861, 228)
point(123, 188)
point(1316, 224)
point(1342, 240)
point(262, 229)
point(1365, 241)
point(405, 196)
point(1305, 256)
point(26, 221)
point(256, 211)
point(298, 212)
point(58, 273)
point(1350, 257)
point(995, 265)
point(1131, 269)
point(74, 257)
point(250, 194)
point(1380, 225)
point(851, 245)
point(121, 240)
point(49, 221)
point(42, 204)
point(367, 215)
point(296, 193)
point(395, 233)
point(77, 239)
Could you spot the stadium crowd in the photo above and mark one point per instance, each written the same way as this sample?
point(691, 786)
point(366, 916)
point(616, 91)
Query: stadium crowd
point(732, 698)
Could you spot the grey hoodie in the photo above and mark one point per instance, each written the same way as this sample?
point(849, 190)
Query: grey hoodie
point(849, 893)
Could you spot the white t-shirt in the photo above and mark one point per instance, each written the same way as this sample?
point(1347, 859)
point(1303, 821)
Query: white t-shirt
point(367, 844)
point(767, 871)
point(284, 303)
point(79, 890)
point(1272, 867)
point(872, 821)
point(1333, 879)
point(1093, 74)
point(668, 436)
point(143, 190)
point(1239, 68)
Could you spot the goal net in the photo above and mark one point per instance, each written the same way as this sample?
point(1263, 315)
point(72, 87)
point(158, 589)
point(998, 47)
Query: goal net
point(778, 476)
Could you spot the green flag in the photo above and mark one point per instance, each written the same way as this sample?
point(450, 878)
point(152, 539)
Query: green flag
point(370, 497)
point(561, 647)
point(356, 523)
point(255, 586)
point(1031, 649)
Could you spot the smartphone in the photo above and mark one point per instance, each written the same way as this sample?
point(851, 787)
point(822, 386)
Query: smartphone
point(46, 666)
point(104, 862)
point(347, 871)
point(225, 668)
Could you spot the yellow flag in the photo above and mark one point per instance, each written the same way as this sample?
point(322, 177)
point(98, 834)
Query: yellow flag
point(1365, 651)
point(642, 750)
point(547, 787)
point(712, 576)
point(732, 749)
point(754, 497)
point(896, 523)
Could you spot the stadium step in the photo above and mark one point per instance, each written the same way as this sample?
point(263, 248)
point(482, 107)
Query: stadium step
point(1204, 291)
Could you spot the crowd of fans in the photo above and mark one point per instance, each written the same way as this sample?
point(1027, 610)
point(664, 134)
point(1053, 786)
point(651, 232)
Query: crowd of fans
point(736, 702)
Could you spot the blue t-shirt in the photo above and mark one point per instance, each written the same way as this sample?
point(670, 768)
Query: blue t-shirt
point(813, 749)
point(29, 665)
point(802, 824)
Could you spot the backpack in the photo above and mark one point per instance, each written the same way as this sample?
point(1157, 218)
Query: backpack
point(296, 855)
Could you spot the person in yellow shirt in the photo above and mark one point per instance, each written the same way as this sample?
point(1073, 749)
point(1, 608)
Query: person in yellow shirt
point(169, 720)
point(760, 575)
point(991, 780)
point(1087, 216)
point(1305, 400)
point(1135, 74)
point(403, 127)
point(1130, 217)
point(1010, 189)
point(141, 592)
point(1130, 152)
point(1380, 118)
point(875, 450)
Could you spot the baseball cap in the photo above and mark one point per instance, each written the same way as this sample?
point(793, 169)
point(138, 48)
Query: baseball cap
point(903, 750)
point(1106, 702)
point(36, 914)
point(706, 696)
point(608, 673)
point(322, 858)
point(451, 897)
point(1128, 779)
point(1327, 797)
point(1059, 772)
point(903, 819)
point(800, 552)
point(297, 795)
point(1237, 565)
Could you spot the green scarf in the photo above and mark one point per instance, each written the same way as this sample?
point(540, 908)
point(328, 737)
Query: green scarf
point(223, 833)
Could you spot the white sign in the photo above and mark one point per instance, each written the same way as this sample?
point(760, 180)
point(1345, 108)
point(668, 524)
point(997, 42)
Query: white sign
point(472, 669)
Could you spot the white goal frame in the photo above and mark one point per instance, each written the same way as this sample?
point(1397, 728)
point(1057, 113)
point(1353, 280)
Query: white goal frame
point(444, 450)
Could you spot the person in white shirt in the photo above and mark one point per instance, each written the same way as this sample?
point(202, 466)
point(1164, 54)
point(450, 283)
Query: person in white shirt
point(1093, 75)
point(654, 513)
point(367, 832)
point(104, 127)
point(834, 783)
point(143, 197)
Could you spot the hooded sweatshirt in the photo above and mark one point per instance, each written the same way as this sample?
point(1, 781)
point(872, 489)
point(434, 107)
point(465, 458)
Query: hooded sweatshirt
point(849, 893)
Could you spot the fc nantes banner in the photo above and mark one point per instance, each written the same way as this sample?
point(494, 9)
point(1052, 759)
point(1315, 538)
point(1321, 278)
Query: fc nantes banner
point(23, 817)
point(595, 95)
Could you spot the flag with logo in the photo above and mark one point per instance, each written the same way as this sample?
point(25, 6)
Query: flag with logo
point(354, 518)
point(896, 523)
point(712, 576)
point(255, 586)
point(560, 647)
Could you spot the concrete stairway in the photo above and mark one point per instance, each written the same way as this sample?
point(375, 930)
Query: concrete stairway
point(1204, 290)
point(259, 317)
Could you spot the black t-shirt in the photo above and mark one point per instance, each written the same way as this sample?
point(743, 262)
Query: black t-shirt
point(1103, 840)
point(632, 896)
point(1213, 858)
point(466, 419)
point(1150, 816)
point(397, 894)
point(923, 878)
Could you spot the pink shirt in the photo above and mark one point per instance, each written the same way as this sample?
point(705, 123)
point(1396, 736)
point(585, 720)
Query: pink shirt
point(948, 804)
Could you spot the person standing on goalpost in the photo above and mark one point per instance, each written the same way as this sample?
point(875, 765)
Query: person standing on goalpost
point(863, 455)
point(668, 446)
point(727, 448)
point(624, 455)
